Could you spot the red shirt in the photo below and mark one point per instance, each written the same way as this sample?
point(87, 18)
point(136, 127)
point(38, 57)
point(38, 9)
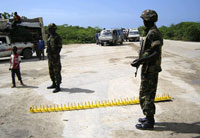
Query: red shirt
point(15, 61)
point(17, 18)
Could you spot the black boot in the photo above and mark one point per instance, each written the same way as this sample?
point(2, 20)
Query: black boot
point(142, 120)
point(52, 86)
point(146, 123)
point(57, 89)
point(145, 126)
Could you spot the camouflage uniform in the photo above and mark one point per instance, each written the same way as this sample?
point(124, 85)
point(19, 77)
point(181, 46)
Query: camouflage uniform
point(150, 70)
point(54, 45)
point(150, 58)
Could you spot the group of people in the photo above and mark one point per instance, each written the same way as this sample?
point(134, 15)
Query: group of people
point(54, 45)
point(149, 58)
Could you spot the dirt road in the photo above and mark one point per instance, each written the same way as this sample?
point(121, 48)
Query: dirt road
point(90, 73)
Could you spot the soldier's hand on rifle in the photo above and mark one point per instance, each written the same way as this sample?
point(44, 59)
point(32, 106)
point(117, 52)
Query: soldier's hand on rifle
point(136, 63)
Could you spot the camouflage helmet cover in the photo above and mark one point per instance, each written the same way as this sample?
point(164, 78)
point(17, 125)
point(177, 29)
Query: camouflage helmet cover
point(52, 26)
point(149, 15)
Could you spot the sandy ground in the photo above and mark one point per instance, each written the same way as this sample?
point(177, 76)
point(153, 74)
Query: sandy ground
point(91, 73)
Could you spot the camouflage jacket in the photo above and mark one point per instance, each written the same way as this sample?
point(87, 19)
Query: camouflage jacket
point(152, 43)
point(54, 45)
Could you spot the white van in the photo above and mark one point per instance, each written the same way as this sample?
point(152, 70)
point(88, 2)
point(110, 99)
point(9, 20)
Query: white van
point(111, 37)
point(133, 35)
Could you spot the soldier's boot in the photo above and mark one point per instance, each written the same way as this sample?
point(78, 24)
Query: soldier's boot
point(57, 89)
point(142, 120)
point(146, 125)
point(53, 85)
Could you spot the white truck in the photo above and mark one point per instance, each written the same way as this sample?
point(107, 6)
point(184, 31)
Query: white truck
point(24, 35)
point(24, 49)
point(133, 35)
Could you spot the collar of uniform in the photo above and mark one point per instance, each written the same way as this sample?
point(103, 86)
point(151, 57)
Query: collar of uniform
point(153, 27)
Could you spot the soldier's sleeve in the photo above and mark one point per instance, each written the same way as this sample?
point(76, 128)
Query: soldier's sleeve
point(59, 42)
point(156, 41)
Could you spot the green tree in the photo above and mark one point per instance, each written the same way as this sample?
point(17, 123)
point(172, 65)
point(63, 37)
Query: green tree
point(77, 34)
point(141, 30)
point(186, 31)
point(6, 15)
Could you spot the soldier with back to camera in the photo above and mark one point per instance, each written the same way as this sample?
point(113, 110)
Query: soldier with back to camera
point(54, 45)
point(150, 58)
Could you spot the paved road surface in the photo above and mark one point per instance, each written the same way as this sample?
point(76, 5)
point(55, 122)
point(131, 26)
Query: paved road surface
point(93, 73)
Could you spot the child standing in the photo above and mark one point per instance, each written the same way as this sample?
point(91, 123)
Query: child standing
point(15, 66)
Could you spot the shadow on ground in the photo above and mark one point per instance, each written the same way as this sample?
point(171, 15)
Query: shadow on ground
point(193, 128)
point(76, 90)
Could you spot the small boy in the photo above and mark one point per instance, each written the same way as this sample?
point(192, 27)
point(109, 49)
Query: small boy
point(15, 60)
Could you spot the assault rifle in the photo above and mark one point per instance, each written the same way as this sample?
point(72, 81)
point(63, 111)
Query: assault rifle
point(140, 52)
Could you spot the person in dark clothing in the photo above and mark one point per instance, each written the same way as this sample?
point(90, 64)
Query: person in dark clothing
point(41, 47)
point(54, 46)
point(150, 59)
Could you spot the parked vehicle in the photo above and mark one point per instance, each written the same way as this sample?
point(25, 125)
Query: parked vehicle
point(24, 49)
point(29, 31)
point(111, 37)
point(133, 35)
point(125, 33)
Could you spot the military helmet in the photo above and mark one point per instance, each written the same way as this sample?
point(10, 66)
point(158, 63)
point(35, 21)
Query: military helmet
point(52, 26)
point(149, 15)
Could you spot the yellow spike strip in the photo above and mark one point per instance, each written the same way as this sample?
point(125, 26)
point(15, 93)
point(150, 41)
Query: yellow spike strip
point(96, 104)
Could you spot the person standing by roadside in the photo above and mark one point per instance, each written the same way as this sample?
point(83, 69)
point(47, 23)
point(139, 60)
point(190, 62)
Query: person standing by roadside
point(97, 37)
point(54, 46)
point(15, 67)
point(150, 58)
point(41, 47)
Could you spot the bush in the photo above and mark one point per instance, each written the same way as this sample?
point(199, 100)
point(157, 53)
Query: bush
point(75, 34)
point(187, 31)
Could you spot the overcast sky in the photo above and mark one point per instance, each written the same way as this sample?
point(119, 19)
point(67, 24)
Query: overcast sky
point(104, 13)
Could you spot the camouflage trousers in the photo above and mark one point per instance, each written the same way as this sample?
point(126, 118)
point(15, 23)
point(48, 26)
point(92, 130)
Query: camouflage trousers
point(147, 94)
point(55, 71)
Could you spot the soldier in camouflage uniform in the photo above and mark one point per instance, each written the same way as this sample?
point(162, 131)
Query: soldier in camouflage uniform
point(54, 45)
point(150, 58)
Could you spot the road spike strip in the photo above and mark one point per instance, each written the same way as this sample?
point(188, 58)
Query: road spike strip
point(96, 104)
